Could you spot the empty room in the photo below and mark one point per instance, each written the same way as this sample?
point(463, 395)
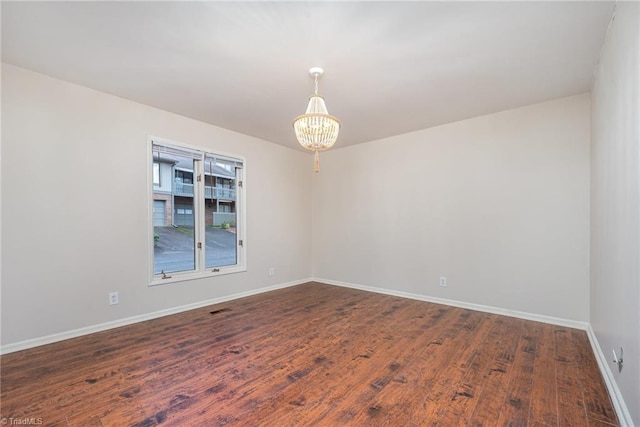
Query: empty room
point(320, 213)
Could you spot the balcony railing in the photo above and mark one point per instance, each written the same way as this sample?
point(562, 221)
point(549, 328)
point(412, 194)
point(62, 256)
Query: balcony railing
point(180, 189)
point(220, 193)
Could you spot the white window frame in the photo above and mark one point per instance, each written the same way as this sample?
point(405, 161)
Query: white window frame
point(200, 270)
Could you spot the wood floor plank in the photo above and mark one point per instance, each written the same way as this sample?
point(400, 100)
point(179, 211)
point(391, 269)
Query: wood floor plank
point(404, 380)
point(597, 402)
point(449, 392)
point(362, 363)
point(543, 409)
point(516, 405)
point(500, 373)
point(313, 354)
point(417, 365)
point(571, 408)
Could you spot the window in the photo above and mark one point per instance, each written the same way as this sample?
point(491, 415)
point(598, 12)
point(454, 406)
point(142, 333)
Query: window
point(186, 177)
point(197, 215)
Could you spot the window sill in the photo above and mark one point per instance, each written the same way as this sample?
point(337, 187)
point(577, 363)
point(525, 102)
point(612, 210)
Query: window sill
point(183, 277)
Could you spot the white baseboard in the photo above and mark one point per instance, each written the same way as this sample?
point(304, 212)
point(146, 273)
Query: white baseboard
point(614, 392)
point(477, 307)
point(35, 342)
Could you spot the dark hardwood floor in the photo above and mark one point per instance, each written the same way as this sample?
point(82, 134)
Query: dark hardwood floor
point(314, 354)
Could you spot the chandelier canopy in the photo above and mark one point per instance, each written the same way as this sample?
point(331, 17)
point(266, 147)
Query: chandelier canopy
point(316, 130)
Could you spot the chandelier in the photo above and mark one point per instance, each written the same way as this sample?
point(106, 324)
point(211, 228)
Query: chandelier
point(316, 130)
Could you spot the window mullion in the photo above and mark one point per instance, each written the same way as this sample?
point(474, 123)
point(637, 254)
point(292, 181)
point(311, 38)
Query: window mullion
point(199, 220)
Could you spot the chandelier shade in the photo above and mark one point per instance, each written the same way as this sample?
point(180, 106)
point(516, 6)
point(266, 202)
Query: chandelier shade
point(316, 130)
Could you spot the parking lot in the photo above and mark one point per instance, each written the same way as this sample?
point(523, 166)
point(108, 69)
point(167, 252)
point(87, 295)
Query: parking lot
point(174, 250)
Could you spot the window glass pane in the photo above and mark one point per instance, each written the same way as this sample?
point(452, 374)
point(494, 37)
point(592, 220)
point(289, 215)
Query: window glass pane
point(173, 213)
point(156, 174)
point(220, 202)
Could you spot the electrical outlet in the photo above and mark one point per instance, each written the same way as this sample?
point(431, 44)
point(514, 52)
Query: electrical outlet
point(443, 281)
point(114, 298)
point(272, 271)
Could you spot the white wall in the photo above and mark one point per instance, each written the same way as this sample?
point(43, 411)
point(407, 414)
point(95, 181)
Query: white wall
point(499, 204)
point(75, 207)
point(615, 201)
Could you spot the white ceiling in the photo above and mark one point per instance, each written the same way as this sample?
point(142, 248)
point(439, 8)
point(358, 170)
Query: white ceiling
point(390, 67)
